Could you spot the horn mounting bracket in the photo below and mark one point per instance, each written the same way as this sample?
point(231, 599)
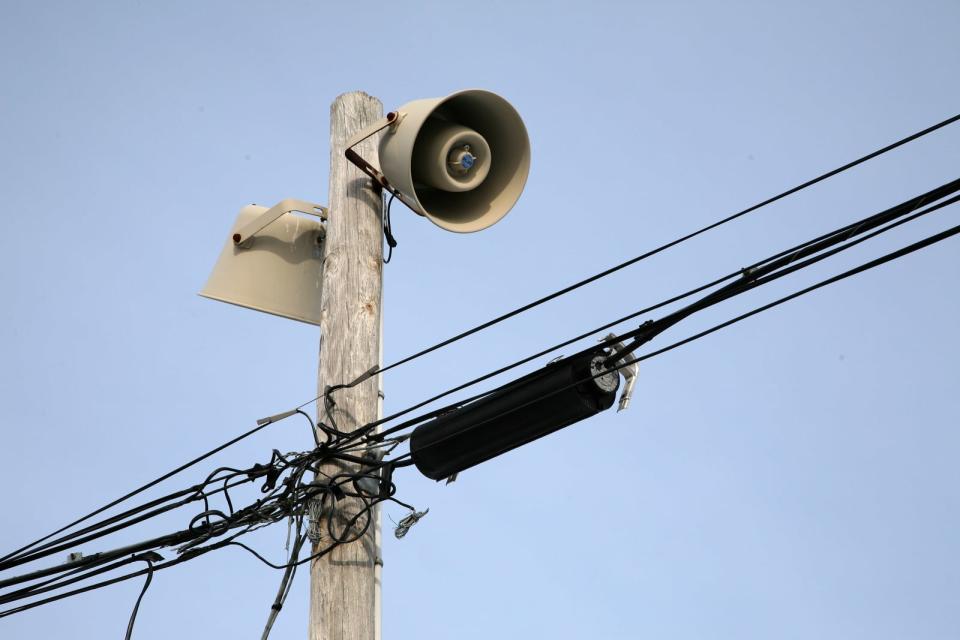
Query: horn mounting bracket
point(392, 119)
point(242, 237)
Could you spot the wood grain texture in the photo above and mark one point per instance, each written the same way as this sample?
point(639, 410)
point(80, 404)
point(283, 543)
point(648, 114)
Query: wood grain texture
point(342, 594)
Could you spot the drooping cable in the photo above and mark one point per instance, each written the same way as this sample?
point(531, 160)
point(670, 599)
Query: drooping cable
point(285, 583)
point(286, 499)
point(388, 229)
point(139, 490)
point(127, 519)
point(136, 607)
point(283, 501)
point(267, 510)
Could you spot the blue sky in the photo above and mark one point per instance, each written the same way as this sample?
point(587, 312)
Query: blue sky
point(793, 476)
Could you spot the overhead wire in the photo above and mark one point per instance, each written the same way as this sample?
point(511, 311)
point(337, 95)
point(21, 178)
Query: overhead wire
point(288, 502)
point(285, 584)
point(899, 253)
point(783, 259)
point(193, 551)
point(276, 504)
point(602, 274)
point(136, 606)
point(139, 490)
point(787, 264)
point(521, 309)
point(129, 518)
point(774, 269)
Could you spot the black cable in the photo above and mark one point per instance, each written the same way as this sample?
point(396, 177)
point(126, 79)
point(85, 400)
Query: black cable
point(98, 585)
point(388, 229)
point(258, 556)
point(657, 250)
point(781, 259)
point(103, 528)
point(59, 581)
point(916, 246)
point(136, 606)
point(138, 490)
point(313, 427)
point(277, 505)
point(193, 535)
point(285, 584)
point(281, 501)
point(788, 264)
point(105, 583)
point(520, 310)
point(274, 507)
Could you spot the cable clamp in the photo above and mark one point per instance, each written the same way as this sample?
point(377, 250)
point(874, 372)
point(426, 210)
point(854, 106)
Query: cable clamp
point(628, 371)
point(408, 521)
point(372, 371)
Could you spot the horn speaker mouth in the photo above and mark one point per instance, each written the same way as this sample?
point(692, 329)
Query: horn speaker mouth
point(462, 161)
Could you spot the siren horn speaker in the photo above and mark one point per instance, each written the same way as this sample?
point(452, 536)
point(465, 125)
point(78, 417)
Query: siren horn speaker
point(462, 161)
point(279, 270)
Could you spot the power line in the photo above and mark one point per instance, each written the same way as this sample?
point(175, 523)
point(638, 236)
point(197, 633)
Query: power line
point(134, 515)
point(916, 246)
point(778, 261)
point(136, 606)
point(280, 504)
point(285, 497)
point(276, 506)
point(125, 520)
point(781, 260)
point(511, 314)
point(141, 489)
point(775, 269)
point(652, 252)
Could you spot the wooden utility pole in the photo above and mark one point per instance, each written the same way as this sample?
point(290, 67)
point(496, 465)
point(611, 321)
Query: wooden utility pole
point(344, 584)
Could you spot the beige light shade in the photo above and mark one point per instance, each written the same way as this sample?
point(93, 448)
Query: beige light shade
point(419, 156)
point(277, 271)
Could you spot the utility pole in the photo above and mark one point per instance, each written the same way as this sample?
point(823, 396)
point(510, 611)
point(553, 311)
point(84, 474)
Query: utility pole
point(344, 584)
point(460, 161)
